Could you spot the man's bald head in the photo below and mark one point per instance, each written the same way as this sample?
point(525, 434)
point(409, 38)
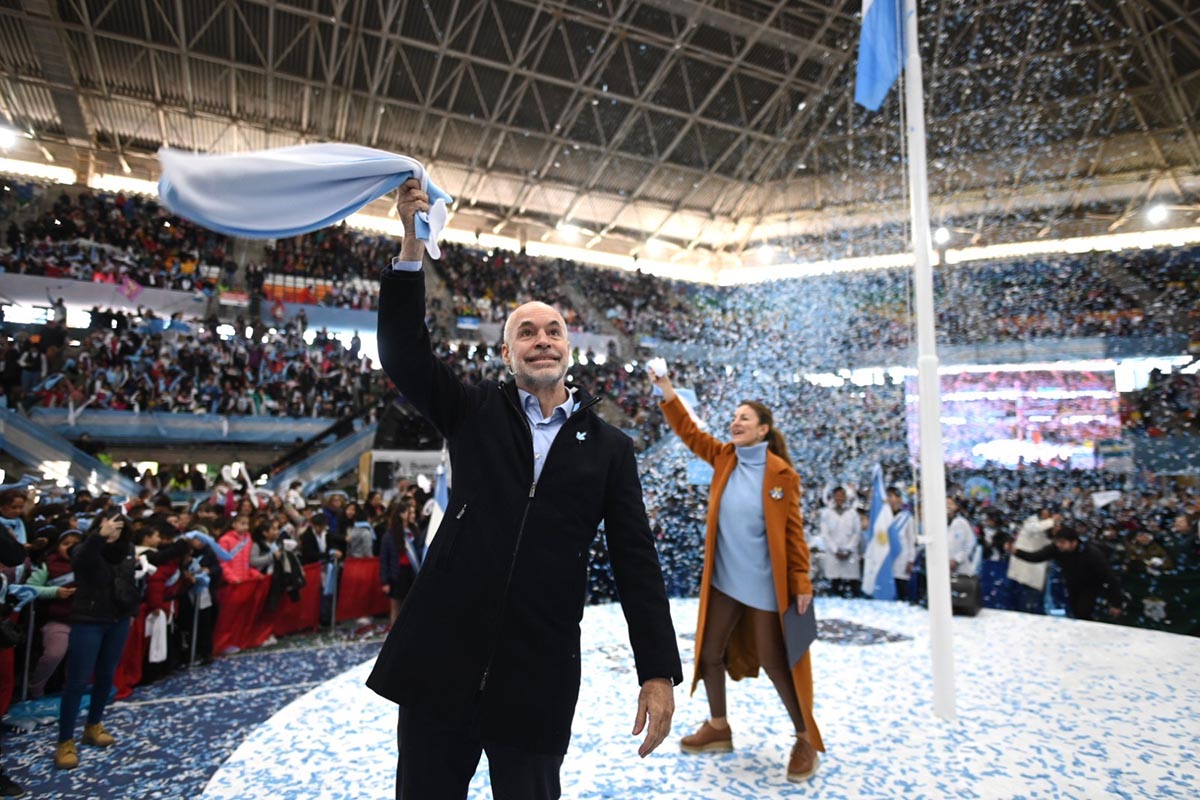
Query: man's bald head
point(523, 312)
point(536, 348)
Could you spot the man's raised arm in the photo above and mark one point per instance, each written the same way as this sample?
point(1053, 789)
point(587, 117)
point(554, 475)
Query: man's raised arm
point(405, 350)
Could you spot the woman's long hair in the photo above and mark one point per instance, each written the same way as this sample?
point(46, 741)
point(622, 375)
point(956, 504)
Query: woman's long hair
point(775, 440)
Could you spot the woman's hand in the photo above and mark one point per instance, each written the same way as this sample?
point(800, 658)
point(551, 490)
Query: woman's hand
point(64, 592)
point(803, 601)
point(663, 383)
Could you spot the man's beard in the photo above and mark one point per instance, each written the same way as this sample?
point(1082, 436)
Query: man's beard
point(541, 379)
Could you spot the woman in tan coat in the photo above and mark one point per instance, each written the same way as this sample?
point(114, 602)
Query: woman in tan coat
point(755, 567)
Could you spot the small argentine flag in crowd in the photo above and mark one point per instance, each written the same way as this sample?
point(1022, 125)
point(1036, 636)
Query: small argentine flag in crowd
point(880, 52)
point(882, 542)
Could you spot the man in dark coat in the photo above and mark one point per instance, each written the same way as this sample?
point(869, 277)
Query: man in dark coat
point(485, 654)
point(1085, 570)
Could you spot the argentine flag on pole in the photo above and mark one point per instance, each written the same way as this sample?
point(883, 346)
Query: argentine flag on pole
point(880, 52)
point(882, 542)
point(441, 501)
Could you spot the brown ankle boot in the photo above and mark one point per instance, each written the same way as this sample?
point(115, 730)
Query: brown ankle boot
point(803, 763)
point(708, 740)
point(65, 755)
point(96, 736)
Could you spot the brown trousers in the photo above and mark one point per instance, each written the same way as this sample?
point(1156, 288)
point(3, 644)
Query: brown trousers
point(723, 615)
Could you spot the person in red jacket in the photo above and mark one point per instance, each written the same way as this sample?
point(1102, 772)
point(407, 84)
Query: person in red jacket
point(237, 569)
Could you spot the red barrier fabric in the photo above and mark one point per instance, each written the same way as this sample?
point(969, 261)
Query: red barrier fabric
point(304, 615)
point(244, 622)
point(238, 608)
point(361, 593)
point(129, 669)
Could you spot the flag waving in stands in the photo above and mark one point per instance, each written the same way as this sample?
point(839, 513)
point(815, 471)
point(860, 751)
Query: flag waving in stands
point(883, 543)
point(880, 51)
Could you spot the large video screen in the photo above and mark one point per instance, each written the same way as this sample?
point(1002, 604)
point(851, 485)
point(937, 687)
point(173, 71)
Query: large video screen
point(1007, 417)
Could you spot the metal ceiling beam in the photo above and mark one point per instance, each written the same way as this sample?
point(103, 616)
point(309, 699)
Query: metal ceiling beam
point(719, 18)
point(781, 147)
point(1164, 71)
point(474, 18)
point(510, 98)
point(649, 88)
point(53, 57)
point(576, 103)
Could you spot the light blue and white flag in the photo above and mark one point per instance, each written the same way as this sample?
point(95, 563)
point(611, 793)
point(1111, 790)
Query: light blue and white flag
point(271, 194)
point(880, 51)
point(883, 542)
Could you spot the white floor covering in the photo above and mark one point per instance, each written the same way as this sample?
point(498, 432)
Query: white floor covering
point(1047, 708)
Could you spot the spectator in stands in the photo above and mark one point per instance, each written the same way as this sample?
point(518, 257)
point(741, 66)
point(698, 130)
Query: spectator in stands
point(56, 579)
point(156, 541)
point(198, 604)
point(236, 542)
point(106, 598)
point(993, 575)
point(1030, 577)
point(399, 557)
point(964, 547)
point(335, 504)
point(320, 545)
point(902, 565)
point(317, 543)
point(1085, 570)
point(12, 555)
point(842, 538)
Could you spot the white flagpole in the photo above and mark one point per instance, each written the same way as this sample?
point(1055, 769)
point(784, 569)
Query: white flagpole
point(933, 473)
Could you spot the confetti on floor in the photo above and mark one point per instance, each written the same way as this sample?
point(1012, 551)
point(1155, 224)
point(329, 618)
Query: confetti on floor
point(1048, 708)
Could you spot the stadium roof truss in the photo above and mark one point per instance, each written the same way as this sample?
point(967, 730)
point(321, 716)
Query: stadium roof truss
point(704, 125)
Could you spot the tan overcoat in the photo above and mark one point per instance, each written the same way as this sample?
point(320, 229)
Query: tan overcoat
point(788, 550)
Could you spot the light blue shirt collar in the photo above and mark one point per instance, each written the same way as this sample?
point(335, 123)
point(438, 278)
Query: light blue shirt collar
point(533, 408)
point(544, 430)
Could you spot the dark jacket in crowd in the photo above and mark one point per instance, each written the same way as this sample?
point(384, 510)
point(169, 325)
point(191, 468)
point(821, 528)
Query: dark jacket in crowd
point(12, 552)
point(105, 589)
point(396, 570)
point(310, 550)
point(1087, 574)
point(491, 626)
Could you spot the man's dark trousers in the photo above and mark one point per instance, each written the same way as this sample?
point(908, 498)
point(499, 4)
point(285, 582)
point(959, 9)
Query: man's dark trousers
point(439, 756)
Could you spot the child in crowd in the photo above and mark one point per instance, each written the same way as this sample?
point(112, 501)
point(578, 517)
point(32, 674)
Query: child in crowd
point(55, 578)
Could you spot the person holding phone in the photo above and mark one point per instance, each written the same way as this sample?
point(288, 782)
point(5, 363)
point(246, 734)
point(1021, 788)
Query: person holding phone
point(106, 599)
point(756, 565)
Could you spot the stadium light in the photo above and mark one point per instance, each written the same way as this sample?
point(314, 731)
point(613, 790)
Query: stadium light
point(32, 169)
point(569, 232)
point(123, 184)
point(941, 235)
point(8, 138)
point(1157, 214)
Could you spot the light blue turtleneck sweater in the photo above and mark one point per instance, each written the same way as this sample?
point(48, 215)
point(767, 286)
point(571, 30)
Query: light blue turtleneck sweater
point(742, 568)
